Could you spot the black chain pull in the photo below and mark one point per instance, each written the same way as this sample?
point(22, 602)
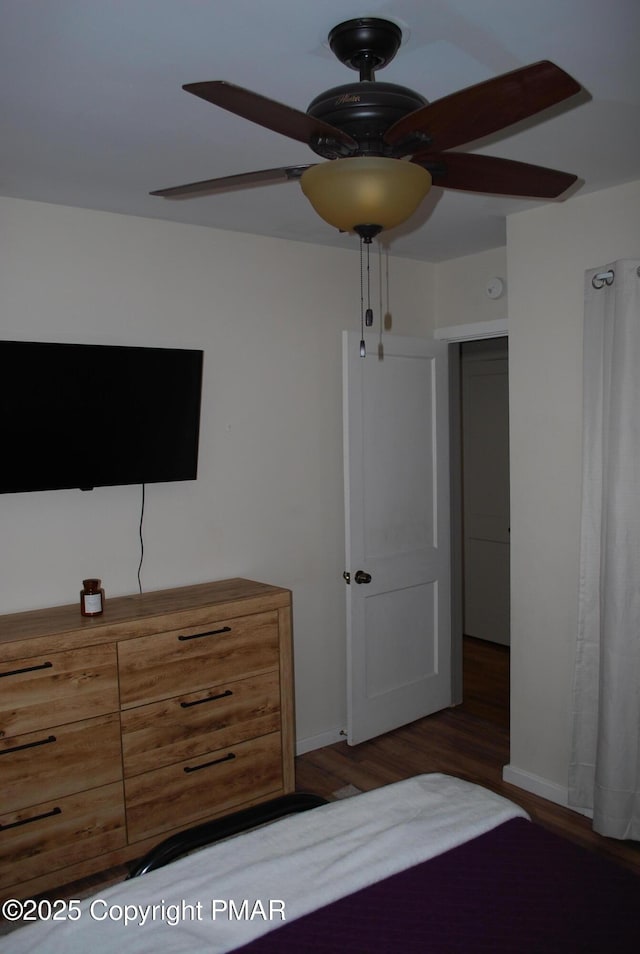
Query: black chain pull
point(363, 348)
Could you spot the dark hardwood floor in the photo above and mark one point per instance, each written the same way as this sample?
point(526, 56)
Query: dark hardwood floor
point(470, 741)
point(486, 681)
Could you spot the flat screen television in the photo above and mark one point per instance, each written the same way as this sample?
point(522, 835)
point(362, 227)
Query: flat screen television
point(83, 415)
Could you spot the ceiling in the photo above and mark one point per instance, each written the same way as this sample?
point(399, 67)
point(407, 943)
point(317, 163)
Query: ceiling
point(92, 112)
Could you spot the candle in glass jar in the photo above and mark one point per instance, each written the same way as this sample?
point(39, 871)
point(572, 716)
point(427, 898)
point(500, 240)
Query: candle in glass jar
point(91, 598)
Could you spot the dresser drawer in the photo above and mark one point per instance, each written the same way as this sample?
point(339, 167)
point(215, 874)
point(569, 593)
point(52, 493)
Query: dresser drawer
point(41, 691)
point(176, 729)
point(207, 785)
point(169, 664)
point(61, 832)
point(59, 761)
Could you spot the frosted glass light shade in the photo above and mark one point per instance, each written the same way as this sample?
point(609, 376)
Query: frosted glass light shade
point(365, 190)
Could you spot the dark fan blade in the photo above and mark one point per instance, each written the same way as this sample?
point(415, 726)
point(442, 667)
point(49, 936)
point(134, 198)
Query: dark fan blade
point(487, 107)
point(270, 114)
point(228, 183)
point(475, 173)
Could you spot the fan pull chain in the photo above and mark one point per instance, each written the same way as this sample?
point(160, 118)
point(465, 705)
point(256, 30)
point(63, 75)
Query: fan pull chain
point(366, 317)
point(383, 274)
point(363, 348)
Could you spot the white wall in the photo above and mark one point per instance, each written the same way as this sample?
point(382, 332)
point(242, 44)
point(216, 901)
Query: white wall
point(268, 503)
point(461, 289)
point(548, 251)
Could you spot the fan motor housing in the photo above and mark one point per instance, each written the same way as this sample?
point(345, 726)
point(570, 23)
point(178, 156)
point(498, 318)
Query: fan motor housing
point(365, 111)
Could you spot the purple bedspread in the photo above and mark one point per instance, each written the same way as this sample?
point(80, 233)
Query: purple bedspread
point(518, 889)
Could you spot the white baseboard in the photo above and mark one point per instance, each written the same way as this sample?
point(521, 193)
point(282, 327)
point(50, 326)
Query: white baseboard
point(319, 741)
point(536, 785)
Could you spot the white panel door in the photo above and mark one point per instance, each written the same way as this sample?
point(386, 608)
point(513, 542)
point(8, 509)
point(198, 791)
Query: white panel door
point(396, 433)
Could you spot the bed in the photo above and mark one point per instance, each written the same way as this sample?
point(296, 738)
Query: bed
point(429, 864)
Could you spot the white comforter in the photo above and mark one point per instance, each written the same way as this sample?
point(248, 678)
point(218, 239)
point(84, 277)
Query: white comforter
point(228, 894)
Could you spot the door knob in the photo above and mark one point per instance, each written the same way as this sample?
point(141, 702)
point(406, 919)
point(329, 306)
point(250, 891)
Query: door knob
point(362, 577)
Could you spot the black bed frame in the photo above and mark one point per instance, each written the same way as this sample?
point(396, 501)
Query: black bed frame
point(209, 832)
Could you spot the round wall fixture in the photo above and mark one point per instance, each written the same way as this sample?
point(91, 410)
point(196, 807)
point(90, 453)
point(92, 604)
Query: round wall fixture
point(495, 287)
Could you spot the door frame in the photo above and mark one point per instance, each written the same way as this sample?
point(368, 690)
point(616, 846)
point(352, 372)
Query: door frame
point(454, 335)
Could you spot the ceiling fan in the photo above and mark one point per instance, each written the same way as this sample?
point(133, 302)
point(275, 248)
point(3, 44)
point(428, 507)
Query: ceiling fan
point(368, 131)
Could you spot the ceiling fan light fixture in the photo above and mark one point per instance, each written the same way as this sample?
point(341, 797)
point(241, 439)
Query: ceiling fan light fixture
point(369, 192)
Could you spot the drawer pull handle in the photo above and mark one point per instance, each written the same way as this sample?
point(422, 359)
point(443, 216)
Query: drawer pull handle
point(211, 632)
point(16, 672)
point(35, 818)
point(198, 702)
point(196, 768)
point(28, 745)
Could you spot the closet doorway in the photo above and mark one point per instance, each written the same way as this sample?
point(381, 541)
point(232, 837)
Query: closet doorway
point(480, 602)
point(484, 423)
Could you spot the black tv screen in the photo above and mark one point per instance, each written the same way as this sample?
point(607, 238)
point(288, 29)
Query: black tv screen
point(77, 415)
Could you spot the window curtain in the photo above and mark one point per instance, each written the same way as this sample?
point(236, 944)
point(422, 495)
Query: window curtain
point(604, 775)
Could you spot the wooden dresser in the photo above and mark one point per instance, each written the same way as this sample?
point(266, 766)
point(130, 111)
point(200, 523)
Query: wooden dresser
point(171, 708)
